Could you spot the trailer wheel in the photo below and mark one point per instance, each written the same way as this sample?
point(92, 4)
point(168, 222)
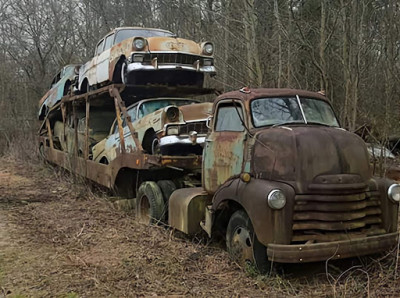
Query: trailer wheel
point(242, 244)
point(149, 203)
point(167, 188)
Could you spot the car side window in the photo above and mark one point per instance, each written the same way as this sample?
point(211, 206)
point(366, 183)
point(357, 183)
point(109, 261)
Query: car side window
point(109, 42)
point(228, 118)
point(100, 46)
point(132, 113)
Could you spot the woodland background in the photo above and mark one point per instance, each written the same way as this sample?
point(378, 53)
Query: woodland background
point(348, 48)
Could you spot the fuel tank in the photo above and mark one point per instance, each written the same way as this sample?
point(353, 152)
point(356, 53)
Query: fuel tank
point(313, 159)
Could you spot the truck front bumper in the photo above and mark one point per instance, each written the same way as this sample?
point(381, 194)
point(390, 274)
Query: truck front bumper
point(331, 250)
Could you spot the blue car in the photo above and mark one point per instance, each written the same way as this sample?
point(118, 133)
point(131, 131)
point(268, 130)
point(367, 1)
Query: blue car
point(64, 82)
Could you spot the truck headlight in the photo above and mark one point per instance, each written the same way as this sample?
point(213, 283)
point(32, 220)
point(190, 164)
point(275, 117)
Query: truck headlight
point(276, 199)
point(394, 192)
point(139, 43)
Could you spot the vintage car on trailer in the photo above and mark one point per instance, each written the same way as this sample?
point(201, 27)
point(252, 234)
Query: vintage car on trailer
point(140, 56)
point(167, 126)
point(61, 84)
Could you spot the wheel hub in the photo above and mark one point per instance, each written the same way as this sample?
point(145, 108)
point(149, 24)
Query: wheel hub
point(242, 246)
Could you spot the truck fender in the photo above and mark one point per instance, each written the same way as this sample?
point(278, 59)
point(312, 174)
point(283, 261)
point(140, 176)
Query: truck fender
point(270, 226)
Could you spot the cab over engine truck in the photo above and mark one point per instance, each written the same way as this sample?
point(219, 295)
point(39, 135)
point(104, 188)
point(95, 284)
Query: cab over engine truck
point(279, 178)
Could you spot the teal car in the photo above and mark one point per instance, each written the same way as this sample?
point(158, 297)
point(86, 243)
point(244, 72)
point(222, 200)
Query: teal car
point(64, 82)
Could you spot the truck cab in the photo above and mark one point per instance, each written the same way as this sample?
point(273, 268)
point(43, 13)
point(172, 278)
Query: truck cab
point(285, 183)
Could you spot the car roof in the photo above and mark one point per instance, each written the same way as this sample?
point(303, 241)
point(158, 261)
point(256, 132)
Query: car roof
point(161, 98)
point(139, 28)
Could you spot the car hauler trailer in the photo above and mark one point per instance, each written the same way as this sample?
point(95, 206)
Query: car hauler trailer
point(278, 176)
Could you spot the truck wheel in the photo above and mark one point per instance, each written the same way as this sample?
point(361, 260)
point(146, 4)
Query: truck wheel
point(242, 243)
point(149, 203)
point(167, 188)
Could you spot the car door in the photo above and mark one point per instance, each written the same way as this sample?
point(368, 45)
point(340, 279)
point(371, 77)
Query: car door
point(103, 60)
point(223, 152)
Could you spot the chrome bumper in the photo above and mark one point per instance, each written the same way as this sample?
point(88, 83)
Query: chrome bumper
point(174, 140)
point(137, 66)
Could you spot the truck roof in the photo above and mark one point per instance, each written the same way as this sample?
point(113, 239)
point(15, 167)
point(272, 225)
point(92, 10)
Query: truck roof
point(247, 94)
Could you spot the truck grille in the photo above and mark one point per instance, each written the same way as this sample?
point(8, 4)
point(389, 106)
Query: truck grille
point(320, 218)
point(199, 126)
point(171, 58)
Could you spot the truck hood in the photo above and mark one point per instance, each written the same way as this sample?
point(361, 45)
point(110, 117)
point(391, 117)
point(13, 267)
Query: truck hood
point(313, 159)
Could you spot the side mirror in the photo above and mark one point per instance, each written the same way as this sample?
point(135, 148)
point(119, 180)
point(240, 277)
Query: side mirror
point(209, 121)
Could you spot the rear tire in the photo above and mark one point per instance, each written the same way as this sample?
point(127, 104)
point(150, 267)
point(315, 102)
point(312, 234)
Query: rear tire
point(167, 188)
point(149, 203)
point(242, 243)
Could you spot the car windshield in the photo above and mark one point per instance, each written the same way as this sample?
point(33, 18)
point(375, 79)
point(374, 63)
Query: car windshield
point(148, 107)
point(127, 33)
point(287, 110)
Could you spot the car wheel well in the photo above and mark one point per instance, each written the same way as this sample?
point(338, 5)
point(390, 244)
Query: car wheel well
point(148, 139)
point(116, 78)
point(84, 85)
point(104, 160)
point(67, 86)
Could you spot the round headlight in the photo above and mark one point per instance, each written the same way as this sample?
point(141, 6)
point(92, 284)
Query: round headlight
point(172, 113)
point(208, 48)
point(276, 199)
point(394, 192)
point(139, 43)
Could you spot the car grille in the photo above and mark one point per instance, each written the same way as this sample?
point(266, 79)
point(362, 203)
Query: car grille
point(171, 58)
point(320, 218)
point(200, 127)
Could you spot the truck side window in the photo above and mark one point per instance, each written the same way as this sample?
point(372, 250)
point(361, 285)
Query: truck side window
point(228, 118)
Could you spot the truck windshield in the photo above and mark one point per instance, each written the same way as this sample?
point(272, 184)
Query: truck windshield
point(127, 33)
point(154, 105)
point(286, 110)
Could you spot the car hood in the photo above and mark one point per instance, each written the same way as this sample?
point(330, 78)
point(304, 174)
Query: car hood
point(199, 111)
point(173, 44)
point(313, 159)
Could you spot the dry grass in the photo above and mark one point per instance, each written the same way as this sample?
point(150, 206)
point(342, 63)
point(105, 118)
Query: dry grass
point(59, 238)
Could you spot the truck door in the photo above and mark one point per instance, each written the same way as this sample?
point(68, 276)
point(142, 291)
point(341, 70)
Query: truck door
point(223, 152)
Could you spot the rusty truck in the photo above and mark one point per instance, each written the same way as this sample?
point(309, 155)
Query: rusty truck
point(278, 177)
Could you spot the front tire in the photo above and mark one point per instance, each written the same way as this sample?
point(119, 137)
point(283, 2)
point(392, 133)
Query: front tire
point(149, 203)
point(124, 72)
point(242, 243)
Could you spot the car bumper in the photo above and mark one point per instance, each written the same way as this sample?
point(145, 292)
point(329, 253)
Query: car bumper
point(331, 250)
point(137, 66)
point(178, 140)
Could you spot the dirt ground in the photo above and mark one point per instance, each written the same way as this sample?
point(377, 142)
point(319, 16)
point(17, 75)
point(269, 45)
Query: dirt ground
point(60, 238)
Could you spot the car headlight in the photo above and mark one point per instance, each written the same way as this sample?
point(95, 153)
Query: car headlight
point(208, 48)
point(139, 43)
point(394, 192)
point(172, 113)
point(276, 199)
point(172, 130)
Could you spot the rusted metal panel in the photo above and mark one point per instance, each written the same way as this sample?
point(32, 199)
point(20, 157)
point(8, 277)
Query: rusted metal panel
point(187, 209)
point(270, 226)
point(331, 250)
point(196, 112)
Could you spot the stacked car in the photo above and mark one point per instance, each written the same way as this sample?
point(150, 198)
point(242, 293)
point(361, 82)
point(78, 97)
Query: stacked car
point(134, 56)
